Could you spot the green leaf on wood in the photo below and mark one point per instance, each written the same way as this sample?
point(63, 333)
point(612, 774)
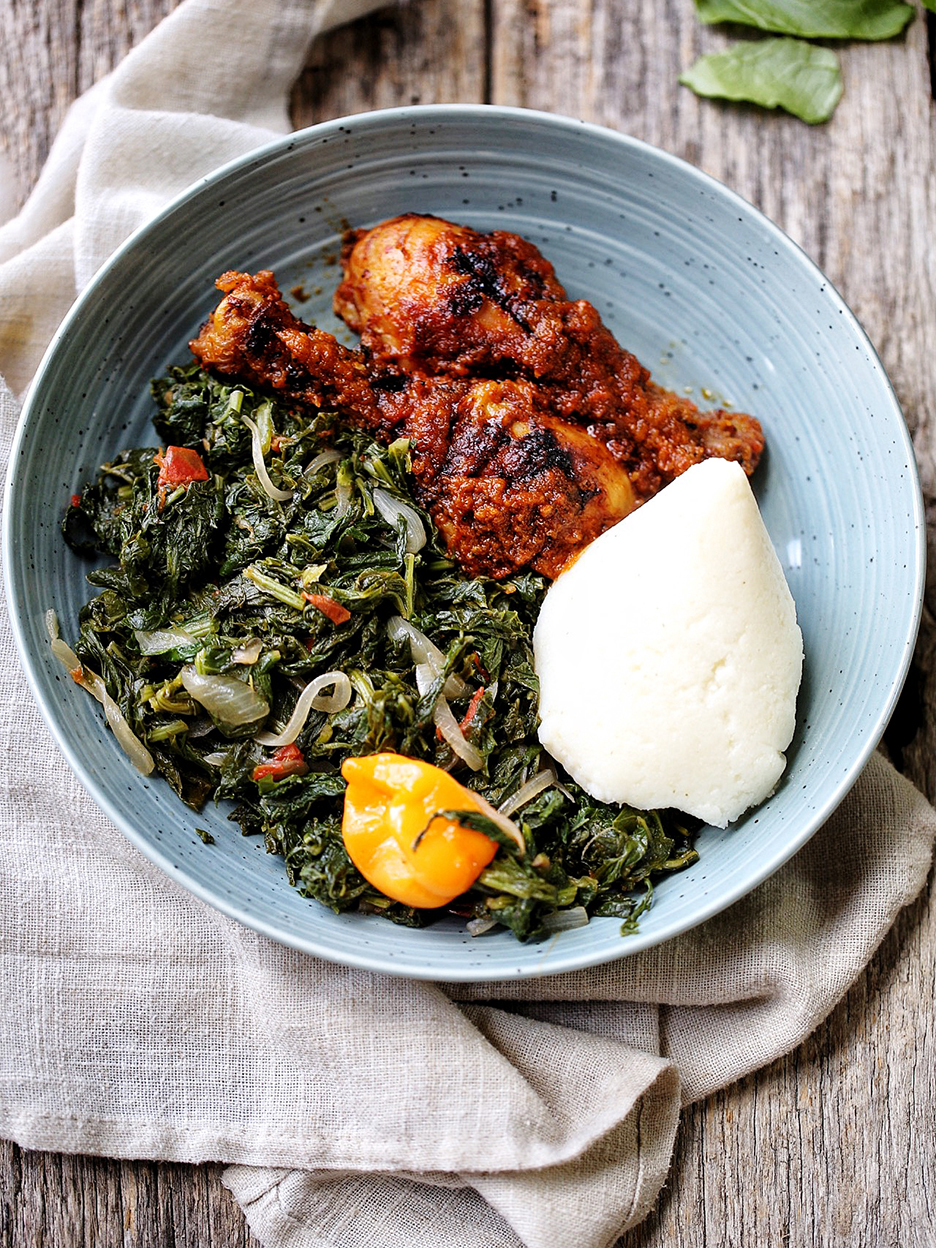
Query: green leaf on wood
point(801, 78)
point(814, 19)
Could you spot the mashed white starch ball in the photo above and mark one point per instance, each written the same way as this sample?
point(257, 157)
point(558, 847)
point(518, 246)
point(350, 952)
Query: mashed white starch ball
point(669, 656)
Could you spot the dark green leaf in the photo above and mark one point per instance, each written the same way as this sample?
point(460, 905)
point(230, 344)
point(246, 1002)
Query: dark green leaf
point(813, 19)
point(799, 77)
point(478, 822)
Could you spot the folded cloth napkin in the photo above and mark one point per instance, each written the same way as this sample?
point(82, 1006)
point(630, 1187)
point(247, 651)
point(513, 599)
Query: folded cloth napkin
point(354, 1109)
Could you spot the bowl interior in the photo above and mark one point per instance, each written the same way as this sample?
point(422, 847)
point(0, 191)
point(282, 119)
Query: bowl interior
point(710, 296)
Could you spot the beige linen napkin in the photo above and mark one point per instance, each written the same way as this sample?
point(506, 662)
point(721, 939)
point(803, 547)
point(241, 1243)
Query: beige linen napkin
point(353, 1109)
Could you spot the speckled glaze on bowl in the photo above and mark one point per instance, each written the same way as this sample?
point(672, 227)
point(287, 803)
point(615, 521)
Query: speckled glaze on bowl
point(709, 295)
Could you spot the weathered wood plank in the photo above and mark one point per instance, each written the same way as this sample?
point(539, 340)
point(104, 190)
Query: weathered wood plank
point(51, 52)
point(49, 1200)
point(38, 80)
point(831, 1145)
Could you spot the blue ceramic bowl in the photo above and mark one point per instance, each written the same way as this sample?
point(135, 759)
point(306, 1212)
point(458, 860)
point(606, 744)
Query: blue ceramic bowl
point(711, 296)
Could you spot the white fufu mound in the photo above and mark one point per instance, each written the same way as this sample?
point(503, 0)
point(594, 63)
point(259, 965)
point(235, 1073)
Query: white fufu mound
point(669, 656)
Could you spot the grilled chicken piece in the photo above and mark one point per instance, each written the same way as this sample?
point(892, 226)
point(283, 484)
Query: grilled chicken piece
point(533, 431)
point(253, 335)
point(508, 484)
point(446, 301)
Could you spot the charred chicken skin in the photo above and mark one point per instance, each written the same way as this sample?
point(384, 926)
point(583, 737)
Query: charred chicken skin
point(429, 296)
point(533, 430)
point(507, 484)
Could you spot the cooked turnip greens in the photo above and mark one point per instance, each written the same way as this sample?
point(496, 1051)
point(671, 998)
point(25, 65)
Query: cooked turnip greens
point(300, 554)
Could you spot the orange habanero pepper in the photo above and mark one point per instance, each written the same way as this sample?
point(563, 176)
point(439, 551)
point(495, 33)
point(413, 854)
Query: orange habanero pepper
point(394, 841)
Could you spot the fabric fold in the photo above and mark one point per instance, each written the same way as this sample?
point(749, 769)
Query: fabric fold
point(592, 1201)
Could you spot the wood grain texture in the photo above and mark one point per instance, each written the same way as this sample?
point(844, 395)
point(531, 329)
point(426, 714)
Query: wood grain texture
point(833, 1144)
point(53, 1201)
point(52, 51)
point(432, 52)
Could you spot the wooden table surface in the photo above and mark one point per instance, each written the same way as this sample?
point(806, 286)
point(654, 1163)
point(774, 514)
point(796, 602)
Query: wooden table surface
point(833, 1144)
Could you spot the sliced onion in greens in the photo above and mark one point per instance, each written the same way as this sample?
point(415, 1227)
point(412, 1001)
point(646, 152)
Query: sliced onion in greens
point(311, 699)
point(453, 736)
point(129, 742)
point(248, 653)
point(61, 649)
point(533, 787)
point(226, 697)
point(562, 789)
point(506, 825)
point(565, 920)
point(260, 468)
point(134, 748)
point(427, 653)
point(477, 927)
point(321, 459)
point(340, 696)
point(66, 655)
point(429, 662)
point(423, 678)
point(343, 494)
point(159, 640)
point(393, 510)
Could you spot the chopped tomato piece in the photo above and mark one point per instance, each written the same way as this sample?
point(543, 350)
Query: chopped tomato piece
point(76, 500)
point(334, 610)
point(472, 708)
point(179, 466)
point(476, 660)
point(469, 714)
point(287, 761)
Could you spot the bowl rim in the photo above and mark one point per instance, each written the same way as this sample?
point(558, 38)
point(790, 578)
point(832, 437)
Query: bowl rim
point(709, 906)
